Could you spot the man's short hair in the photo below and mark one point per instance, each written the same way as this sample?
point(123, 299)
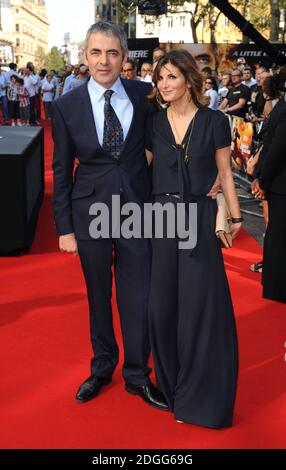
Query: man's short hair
point(237, 70)
point(132, 62)
point(110, 29)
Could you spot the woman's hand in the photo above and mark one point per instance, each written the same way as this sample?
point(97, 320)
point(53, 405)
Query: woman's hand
point(234, 229)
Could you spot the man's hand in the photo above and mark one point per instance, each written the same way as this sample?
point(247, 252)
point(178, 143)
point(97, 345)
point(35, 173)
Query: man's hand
point(68, 244)
point(256, 190)
point(215, 189)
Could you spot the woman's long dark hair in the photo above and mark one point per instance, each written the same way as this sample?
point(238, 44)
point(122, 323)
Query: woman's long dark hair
point(185, 62)
point(274, 86)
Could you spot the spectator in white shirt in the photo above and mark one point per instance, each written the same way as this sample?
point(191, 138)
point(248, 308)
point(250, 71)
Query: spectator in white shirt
point(31, 84)
point(3, 96)
point(224, 86)
point(210, 84)
point(48, 92)
point(146, 72)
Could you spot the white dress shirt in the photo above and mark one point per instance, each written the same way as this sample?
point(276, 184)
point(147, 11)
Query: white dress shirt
point(48, 95)
point(119, 101)
point(30, 82)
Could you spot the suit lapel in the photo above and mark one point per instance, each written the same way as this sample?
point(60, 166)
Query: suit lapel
point(87, 114)
point(127, 85)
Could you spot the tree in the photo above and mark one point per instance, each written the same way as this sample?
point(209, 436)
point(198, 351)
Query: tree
point(199, 10)
point(213, 16)
point(275, 20)
point(40, 58)
point(54, 60)
point(283, 12)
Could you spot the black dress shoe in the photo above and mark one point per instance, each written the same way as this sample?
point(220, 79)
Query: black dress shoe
point(149, 393)
point(90, 387)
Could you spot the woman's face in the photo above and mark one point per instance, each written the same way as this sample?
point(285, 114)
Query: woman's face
point(208, 84)
point(171, 84)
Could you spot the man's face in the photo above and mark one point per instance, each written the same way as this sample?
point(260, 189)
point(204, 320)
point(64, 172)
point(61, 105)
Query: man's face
point(246, 75)
point(236, 78)
point(129, 71)
point(104, 57)
point(83, 70)
point(157, 55)
point(203, 54)
point(258, 72)
point(76, 70)
point(225, 80)
point(146, 69)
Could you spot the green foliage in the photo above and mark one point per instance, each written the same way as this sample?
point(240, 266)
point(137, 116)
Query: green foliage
point(54, 60)
point(40, 58)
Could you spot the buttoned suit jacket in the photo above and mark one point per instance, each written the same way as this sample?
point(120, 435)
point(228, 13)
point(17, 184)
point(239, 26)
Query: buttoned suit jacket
point(97, 176)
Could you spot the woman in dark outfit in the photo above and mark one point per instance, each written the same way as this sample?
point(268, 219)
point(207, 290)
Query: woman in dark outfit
point(192, 326)
point(271, 184)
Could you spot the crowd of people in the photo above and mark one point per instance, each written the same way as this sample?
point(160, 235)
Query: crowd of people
point(21, 93)
point(235, 92)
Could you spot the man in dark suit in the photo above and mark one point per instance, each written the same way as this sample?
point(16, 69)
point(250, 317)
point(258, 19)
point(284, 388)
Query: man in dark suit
point(270, 183)
point(101, 123)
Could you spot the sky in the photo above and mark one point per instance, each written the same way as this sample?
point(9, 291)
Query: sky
point(74, 16)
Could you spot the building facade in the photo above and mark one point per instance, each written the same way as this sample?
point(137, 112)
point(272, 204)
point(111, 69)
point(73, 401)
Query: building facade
point(31, 29)
point(70, 49)
point(6, 32)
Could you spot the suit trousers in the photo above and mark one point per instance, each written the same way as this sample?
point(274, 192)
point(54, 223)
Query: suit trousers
point(274, 255)
point(131, 260)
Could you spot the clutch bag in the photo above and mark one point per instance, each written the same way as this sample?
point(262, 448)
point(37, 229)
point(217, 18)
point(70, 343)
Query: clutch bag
point(223, 221)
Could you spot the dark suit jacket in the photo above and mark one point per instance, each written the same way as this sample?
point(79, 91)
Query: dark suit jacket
point(272, 161)
point(98, 176)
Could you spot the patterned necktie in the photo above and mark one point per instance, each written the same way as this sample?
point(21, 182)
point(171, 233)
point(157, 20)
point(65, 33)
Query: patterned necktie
point(112, 132)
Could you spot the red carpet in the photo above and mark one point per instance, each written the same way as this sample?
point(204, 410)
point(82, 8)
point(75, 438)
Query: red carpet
point(45, 356)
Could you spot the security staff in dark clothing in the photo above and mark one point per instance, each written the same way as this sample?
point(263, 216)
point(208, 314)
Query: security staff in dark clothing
point(235, 101)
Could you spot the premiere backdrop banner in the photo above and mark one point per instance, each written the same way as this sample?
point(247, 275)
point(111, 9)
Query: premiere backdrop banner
point(242, 135)
point(141, 49)
point(220, 57)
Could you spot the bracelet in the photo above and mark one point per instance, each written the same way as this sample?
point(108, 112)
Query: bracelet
point(236, 220)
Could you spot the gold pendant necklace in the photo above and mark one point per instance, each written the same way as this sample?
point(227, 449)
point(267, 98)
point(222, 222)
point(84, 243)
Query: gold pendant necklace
point(186, 147)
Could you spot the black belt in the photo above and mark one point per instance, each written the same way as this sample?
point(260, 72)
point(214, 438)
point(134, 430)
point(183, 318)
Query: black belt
point(177, 195)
